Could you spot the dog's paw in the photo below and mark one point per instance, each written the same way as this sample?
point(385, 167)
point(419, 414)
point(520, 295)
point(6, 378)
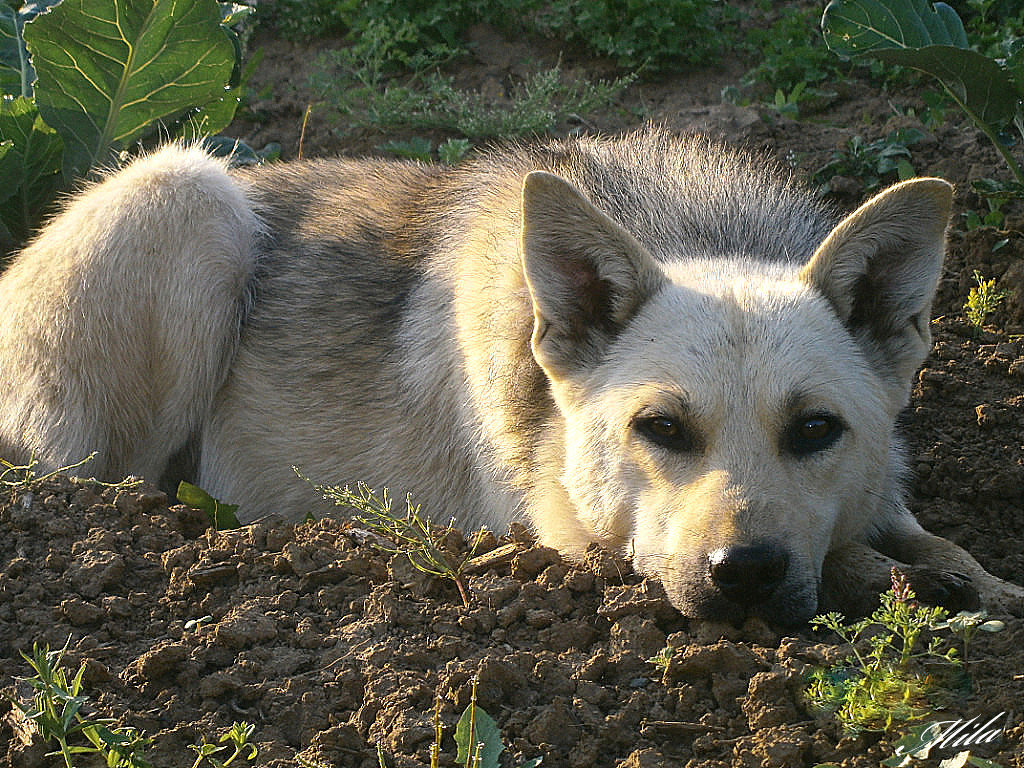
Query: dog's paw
point(1002, 597)
point(953, 591)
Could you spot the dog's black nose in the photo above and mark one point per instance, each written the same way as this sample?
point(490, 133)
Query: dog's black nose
point(748, 574)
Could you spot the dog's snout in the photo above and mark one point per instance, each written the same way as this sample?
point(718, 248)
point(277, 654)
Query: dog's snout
point(748, 574)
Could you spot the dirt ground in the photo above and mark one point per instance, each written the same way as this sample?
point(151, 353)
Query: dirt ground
point(333, 648)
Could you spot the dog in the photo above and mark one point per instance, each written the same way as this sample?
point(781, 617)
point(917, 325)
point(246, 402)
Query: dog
point(652, 343)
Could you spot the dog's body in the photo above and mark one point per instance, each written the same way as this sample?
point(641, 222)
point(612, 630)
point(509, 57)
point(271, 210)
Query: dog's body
point(648, 343)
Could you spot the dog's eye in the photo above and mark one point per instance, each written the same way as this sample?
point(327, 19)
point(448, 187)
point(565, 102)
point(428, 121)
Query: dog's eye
point(667, 432)
point(812, 433)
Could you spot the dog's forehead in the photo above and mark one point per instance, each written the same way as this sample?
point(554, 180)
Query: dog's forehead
point(764, 336)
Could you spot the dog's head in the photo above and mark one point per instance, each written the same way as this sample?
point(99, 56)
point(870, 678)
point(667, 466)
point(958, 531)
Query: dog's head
point(727, 421)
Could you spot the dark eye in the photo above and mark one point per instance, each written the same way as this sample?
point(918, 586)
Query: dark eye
point(667, 432)
point(812, 433)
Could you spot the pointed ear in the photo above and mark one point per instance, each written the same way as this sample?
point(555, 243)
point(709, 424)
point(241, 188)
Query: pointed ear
point(879, 269)
point(587, 275)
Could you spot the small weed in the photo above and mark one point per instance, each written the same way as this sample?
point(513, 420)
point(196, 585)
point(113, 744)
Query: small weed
point(982, 301)
point(23, 474)
point(884, 683)
point(787, 103)
point(996, 194)
point(196, 625)
point(477, 739)
point(57, 713)
point(412, 533)
point(967, 624)
point(882, 160)
point(452, 151)
point(662, 658)
point(238, 736)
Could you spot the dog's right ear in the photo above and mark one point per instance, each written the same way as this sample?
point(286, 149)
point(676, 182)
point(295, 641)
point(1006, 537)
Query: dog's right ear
point(587, 275)
point(879, 269)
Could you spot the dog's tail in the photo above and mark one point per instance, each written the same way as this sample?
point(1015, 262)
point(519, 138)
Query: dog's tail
point(117, 324)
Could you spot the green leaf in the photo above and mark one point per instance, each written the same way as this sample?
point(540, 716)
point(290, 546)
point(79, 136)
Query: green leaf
point(30, 168)
point(108, 72)
point(485, 732)
point(16, 73)
point(977, 82)
point(854, 27)
point(8, 167)
point(222, 515)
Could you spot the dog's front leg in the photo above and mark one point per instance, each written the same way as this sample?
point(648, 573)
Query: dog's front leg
point(854, 575)
point(939, 572)
point(915, 546)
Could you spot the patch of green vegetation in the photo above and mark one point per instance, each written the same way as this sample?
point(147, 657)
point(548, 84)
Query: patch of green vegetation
point(236, 739)
point(656, 34)
point(882, 160)
point(982, 301)
point(663, 657)
point(653, 34)
point(363, 83)
point(892, 675)
point(791, 55)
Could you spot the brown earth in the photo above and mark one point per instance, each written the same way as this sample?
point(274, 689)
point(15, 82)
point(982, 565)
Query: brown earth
point(333, 648)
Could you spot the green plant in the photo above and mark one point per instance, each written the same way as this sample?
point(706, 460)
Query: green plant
point(884, 682)
point(222, 516)
point(789, 53)
point(83, 79)
point(57, 713)
point(967, 624)
point(914, 33)
point(662, 658)
point(238, 736)
point(982, 300)
point(360, 84)
point(788, 103)
point(413, 534)
point(881, 160)
point(653, 34)
point(477, 738)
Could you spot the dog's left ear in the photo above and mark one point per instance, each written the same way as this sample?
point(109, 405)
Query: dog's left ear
point(879, 269)
point(586, 274)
